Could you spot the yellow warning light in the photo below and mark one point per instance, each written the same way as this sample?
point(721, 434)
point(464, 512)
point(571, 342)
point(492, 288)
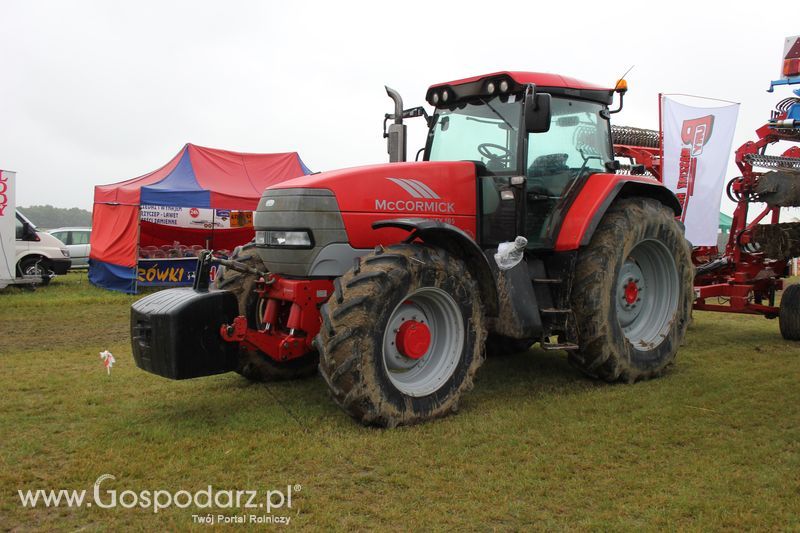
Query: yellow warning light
point(621, 86)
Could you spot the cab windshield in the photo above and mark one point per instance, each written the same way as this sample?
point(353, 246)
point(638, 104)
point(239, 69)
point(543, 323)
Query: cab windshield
point(485, 131)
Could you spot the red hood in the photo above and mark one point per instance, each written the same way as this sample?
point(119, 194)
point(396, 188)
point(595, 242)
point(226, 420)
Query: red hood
point(418, 188)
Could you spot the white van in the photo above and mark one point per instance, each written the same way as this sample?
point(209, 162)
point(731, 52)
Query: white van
point(39, 253)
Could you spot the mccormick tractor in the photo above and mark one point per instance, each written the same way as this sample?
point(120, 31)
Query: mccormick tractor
point(388, 278)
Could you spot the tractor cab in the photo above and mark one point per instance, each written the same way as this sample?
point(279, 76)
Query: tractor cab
point(532, 137)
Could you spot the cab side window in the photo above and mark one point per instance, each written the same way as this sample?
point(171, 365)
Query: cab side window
point(578, 144)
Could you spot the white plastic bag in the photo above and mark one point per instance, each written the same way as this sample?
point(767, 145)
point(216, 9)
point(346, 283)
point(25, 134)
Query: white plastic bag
point(509, 254)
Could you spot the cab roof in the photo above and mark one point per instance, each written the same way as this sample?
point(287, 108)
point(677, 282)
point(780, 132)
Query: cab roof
point(555, 84)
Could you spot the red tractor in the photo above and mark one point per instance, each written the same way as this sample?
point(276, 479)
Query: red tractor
point(391, 279)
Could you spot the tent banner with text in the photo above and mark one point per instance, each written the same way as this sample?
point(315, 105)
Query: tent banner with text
point(196, 217)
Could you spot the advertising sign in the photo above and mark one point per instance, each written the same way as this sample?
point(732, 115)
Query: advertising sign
point(166, 272)
point(697, 145)
point(7, 227)
point(196, 217)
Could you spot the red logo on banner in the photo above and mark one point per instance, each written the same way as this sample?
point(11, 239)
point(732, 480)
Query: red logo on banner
point(3, 195)
point(194, 212)
point(695, 133)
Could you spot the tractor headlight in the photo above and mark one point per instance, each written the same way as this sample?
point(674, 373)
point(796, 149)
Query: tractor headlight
point(284, 238)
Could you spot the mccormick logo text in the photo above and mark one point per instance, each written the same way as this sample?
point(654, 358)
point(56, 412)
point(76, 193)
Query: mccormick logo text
point(425, 199)
point(695, 133)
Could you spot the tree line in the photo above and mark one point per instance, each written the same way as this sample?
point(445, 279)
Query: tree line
point(49, 217)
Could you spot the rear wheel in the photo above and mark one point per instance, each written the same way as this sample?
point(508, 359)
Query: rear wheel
point(255, 364)
point(632, 293)
point(789, 317)
point(402, 336)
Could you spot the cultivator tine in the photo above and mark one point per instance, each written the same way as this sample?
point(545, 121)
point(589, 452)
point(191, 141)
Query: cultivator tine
point(629, 136)
point(773, 161)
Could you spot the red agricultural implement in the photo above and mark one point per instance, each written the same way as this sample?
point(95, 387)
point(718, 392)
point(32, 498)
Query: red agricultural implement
point(746, 276)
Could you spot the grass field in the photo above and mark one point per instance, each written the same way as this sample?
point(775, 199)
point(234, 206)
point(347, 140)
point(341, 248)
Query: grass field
point(714, 444)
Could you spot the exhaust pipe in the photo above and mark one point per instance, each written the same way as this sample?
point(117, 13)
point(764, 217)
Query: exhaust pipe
point(396, 133)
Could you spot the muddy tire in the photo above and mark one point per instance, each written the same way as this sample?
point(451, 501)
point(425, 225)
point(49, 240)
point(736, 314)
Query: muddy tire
point(500, 345)
point(255, 365)
point(632, 293)
point(402, 336)
point(789, 317)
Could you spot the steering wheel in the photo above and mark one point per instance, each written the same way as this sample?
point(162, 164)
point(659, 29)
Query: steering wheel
point(503, 156)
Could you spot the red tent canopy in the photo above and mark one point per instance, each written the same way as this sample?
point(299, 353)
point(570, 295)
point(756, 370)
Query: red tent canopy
point(195, 177)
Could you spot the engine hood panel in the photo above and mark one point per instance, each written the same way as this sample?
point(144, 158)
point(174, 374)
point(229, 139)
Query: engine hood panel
point(437, 189)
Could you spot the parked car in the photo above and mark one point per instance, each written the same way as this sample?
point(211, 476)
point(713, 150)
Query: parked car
point(77, 241)
point(39, 253)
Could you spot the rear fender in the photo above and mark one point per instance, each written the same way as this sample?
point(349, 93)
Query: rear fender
point(597, 195)
point(456, 242)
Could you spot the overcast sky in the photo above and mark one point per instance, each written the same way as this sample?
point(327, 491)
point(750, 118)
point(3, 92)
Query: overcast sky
point(97, 92)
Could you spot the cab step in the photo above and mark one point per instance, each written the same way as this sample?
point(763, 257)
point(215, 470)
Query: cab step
point(549, 346)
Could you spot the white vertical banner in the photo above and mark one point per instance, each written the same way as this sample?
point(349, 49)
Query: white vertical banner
point(7, 226)
point(697, 148)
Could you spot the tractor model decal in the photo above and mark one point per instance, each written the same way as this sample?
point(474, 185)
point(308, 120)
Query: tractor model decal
point(415, 188)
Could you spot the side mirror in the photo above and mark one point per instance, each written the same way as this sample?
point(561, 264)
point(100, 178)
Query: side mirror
point(537, 112)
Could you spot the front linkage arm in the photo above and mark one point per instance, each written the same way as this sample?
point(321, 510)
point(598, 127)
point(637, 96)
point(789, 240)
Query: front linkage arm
point(206, 258)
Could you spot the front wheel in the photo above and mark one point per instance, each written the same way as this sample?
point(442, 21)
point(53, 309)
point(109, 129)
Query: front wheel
point(402, 336)
point(33, 266)
point(632, 293)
